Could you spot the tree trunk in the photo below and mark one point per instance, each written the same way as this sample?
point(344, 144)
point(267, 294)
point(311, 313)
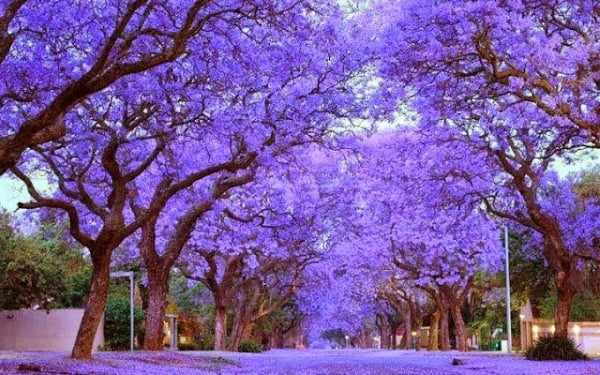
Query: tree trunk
point(240, 325)
point(434, 331)
point(385, 330)
point(220, 327)
point(444, 330)
point(409, 328)
point(94, 307)
point(157, 303)
point(441, 305)
point(564, 272)
point(415, 323)
point(363, 339)
point(563, 306)
point(461, 332)
point(238, 336)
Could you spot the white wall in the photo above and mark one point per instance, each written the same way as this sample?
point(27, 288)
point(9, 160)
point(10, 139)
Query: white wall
point(41, 330)
point(586, 335)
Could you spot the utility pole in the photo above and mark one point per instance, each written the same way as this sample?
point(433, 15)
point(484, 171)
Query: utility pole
point(508, 323)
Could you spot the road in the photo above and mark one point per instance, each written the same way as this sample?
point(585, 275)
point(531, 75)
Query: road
point(289, 362)
point(381, 362)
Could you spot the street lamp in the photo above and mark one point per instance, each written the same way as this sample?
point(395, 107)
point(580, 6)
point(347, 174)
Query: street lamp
point(131, 322)
point(414, 339)
point(508, 322)
point(347, 341)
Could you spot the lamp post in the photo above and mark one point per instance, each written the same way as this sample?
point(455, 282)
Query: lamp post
point(131, 307)
point(347, 341)
point(508, 322)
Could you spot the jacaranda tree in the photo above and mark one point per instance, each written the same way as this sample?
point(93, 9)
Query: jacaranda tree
point(509, 87)
point(199, 118)
point(430, 239)
point(263, 117)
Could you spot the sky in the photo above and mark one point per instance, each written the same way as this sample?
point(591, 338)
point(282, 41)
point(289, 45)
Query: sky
point(13, 191)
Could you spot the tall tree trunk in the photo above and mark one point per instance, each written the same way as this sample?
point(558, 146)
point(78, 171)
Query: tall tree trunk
point(459, 324)
point(563, 306)
point(442, 307)
point(444, 330)
point(237, 335)
point(158, 280)
point(220, 326)
point(409, 328)
point(95, 305)
point(434, 332)
point(384, 328)
point(239, 327)
point(564, 269)
point(415, 323)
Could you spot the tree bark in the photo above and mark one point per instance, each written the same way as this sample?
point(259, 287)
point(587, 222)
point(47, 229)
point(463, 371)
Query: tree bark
point(565, 274)
point(565, 294)
point(444, 330)
point(220, 327)
point(459, 324)
point(434, 332)
point(409, 328)
point(384, 328)
point(237, 335)
point(241, 322)
point(95, 305)
point(157, 303)
point(415, 322)
point(442, 308)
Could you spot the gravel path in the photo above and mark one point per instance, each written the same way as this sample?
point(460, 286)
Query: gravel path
point(280, 362)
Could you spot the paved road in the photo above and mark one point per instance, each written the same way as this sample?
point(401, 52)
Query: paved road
point(380, 362)
point(284, 362)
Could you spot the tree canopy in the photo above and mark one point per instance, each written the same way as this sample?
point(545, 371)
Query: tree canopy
point(349, 161)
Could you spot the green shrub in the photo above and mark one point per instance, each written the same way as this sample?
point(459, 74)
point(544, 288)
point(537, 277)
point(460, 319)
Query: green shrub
point(249, 347)
point(117, 321)
point(77, 284)
point(549, 348)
